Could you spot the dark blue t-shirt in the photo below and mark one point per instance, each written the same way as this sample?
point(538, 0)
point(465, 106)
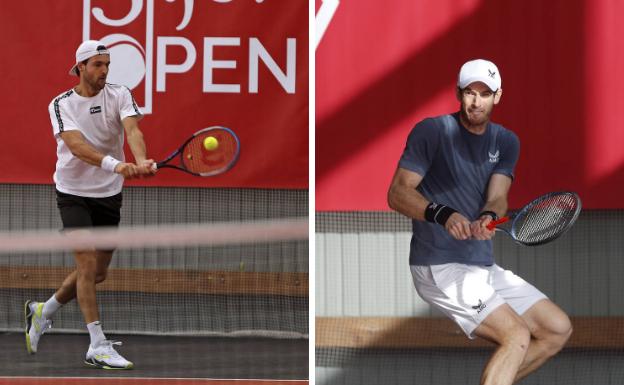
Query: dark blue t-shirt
point(456, 166)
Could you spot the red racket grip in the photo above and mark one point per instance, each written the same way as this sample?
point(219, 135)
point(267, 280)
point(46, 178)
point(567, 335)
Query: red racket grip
point(492, 225)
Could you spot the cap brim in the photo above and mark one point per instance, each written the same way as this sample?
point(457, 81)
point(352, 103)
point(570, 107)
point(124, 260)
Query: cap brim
point(485, 80)
point(72, 71)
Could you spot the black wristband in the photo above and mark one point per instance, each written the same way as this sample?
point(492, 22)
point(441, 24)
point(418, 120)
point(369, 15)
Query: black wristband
point(490, 213)
point(437, 213)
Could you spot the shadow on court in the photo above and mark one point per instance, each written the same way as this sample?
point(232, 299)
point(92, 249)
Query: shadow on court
point(62, 355)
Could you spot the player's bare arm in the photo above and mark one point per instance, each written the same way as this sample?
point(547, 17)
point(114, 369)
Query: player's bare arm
point(137, 146)
point(404, 198)
point(497, 192)
point(84, 151)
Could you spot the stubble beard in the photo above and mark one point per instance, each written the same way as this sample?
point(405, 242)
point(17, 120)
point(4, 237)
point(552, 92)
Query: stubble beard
point(97, 84)
point(476, 121)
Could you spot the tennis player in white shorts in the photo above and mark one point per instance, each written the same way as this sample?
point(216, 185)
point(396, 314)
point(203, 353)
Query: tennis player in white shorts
point(452, 180)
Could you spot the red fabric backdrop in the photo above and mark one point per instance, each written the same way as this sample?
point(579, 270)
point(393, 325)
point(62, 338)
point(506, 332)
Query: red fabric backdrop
point(383, 66)
point(39, 41)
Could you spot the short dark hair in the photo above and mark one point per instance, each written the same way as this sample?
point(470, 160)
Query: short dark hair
point(77, 70)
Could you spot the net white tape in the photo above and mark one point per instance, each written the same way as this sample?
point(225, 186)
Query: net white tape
point(156, 236)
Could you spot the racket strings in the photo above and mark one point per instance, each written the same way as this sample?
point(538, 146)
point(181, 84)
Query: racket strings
point(546, 219)
point(200, 160)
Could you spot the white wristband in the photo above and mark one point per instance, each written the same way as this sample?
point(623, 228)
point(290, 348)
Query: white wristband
point(109, 163)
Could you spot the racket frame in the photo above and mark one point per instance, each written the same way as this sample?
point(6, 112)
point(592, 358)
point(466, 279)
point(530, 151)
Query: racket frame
point(180, 150)
point(515, 216)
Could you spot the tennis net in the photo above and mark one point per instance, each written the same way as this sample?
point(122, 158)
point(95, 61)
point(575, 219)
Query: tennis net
point(221, 262)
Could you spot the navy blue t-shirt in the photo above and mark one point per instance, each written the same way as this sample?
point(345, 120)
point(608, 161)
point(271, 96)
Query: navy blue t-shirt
point(456, 166)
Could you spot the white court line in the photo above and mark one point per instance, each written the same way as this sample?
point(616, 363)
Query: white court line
point(149, 378)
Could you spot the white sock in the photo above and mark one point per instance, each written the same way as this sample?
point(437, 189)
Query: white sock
point(50, 307)
point(96, 333)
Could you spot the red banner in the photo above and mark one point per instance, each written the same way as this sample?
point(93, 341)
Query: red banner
point(383, 66)
point(190, 64)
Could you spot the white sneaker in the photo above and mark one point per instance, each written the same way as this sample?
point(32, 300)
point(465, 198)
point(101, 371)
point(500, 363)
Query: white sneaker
point(104, 356)
point(36, 324)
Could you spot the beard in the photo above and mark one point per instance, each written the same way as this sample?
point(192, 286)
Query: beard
point(97, 83)
point(476, 117)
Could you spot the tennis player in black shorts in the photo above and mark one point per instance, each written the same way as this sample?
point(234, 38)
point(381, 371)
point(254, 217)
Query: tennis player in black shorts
point(89, 122)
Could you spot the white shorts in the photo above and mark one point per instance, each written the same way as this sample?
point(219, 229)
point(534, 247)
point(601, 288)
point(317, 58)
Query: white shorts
point(467, 294)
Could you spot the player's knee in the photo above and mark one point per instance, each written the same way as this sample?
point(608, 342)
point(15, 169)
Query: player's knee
point(558, 335)
point(86, 273)
point(565, 331)
point(560, 326)
point(553, 336)
point(569, 332)
point(518, 337)
point(86, 262)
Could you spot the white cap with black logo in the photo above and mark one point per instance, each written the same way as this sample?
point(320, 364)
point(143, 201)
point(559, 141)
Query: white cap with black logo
point(87, 49)
point(479, 70)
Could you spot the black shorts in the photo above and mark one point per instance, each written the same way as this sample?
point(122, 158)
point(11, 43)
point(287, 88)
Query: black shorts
point(79, 211)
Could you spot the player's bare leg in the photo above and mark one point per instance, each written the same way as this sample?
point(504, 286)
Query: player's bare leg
point(550, 329)
point(86, 266)
point(91, 268)
point(38, 315)
point(67, 291)
point(510, 332)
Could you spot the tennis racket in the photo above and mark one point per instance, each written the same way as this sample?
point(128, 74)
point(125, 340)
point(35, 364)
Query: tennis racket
point(543, 220)
point(197, 159)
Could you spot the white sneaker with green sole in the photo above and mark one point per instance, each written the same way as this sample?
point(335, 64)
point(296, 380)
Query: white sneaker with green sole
point(36, 324)
point(104, 356)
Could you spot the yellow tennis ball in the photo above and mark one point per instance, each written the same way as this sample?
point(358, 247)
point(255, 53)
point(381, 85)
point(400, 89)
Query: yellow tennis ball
point(211, 143)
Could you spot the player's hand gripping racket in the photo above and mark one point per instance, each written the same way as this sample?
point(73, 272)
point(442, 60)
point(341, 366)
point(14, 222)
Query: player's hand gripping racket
point(209, 152)
point(543, 220)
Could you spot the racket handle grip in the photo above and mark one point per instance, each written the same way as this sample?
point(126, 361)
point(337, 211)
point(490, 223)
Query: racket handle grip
point(492, 225)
